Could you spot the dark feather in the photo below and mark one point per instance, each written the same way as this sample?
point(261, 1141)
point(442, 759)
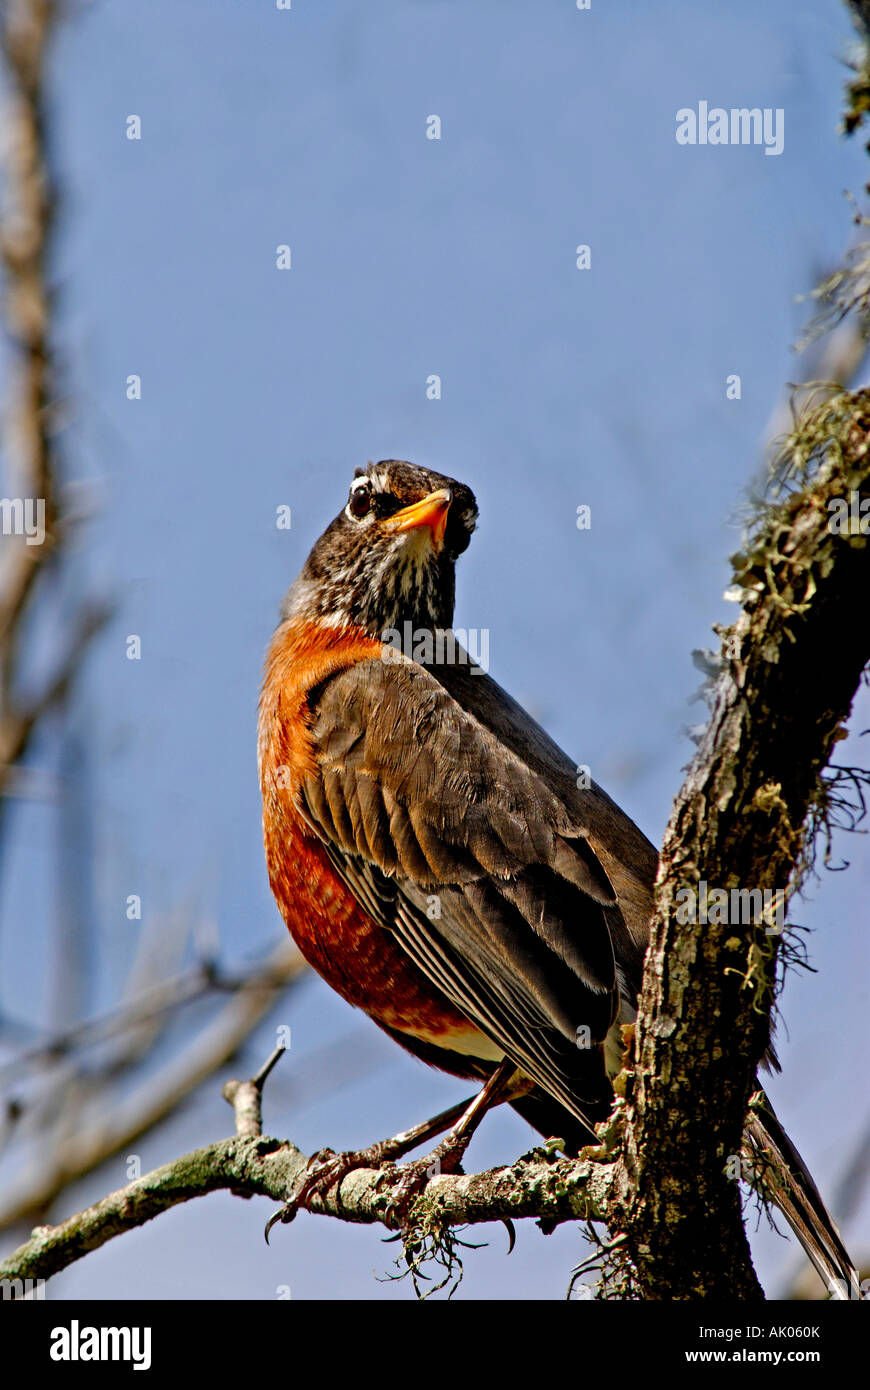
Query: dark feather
point(522, 941)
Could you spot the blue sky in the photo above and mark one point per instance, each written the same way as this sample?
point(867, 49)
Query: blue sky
point(263, 388)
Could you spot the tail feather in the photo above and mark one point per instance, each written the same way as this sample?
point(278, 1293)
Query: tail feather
point(781, 1175)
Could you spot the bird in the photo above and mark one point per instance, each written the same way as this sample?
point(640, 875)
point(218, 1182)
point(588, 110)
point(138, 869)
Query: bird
point(436, 857)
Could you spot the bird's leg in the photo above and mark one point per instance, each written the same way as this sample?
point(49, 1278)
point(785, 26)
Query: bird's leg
point(325, 1168)
point(448, 1155)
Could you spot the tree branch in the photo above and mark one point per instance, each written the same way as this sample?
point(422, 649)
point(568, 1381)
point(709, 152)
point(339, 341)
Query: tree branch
point(745, 818)
point(254, 1166)
point(113, 1122)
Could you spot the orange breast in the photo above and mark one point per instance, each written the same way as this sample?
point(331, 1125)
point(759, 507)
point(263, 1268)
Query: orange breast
point(353, 953)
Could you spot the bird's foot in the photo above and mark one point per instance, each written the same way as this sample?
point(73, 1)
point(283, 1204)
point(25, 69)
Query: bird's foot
point(324, 1170)
point(327, 1168)
point(445, 1158)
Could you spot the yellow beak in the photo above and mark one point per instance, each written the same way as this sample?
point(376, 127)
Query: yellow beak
point(430, 511)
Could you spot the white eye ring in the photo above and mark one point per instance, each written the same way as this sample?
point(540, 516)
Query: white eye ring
point(358, 486)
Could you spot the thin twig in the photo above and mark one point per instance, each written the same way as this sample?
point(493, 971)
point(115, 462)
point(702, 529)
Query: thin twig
point(246, 1098)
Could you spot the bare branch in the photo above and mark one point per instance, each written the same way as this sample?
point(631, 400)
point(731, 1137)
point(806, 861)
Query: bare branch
point(145, 1007)
point(17, 725)
point(555, 1189)
point(113, 1121)
point(246, 1098)
point(24, 235)
point(26, 225)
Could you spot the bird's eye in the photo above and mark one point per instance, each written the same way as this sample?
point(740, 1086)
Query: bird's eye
point(359, 504)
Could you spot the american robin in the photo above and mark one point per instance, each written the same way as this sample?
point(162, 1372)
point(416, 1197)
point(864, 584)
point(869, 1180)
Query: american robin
point(431, 851)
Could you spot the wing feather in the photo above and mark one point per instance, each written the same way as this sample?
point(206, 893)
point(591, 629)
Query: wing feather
point(413, 796)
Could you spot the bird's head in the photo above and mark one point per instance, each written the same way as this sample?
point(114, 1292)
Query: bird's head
point(389, 555)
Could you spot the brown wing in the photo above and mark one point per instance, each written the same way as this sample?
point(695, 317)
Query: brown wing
point(461, 850)
point(629, 859)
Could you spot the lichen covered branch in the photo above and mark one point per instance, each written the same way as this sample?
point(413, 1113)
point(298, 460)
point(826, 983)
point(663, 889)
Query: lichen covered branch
point(745, 820)
point(539, 1185)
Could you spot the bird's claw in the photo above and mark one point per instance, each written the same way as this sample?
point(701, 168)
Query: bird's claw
point(326, 1168)
point(322, 1171)
point(415, 1179)
point(316, 1176)
point(284, 1214)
